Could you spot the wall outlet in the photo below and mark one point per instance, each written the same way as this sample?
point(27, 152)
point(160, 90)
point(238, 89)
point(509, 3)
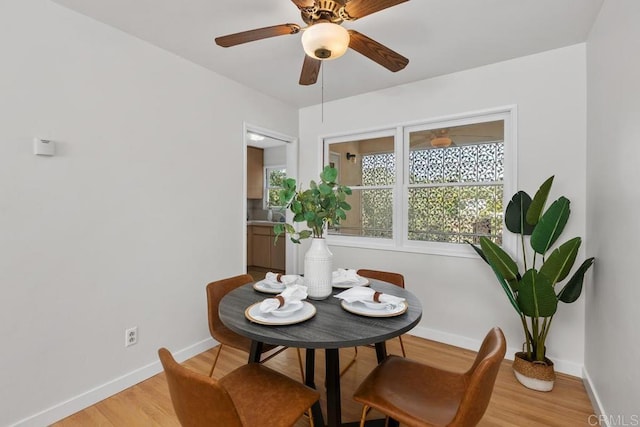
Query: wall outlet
point(130, 336)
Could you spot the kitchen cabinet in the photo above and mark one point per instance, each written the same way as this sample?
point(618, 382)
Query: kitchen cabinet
point(255, 177)
point(277, 252)
point(261, 250)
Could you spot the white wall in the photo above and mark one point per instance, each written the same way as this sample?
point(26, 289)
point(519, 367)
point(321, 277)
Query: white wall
point(612, 344)
point(140, 208)
point(460, 296)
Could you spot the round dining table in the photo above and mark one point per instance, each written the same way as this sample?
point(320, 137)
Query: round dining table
point(331, 328)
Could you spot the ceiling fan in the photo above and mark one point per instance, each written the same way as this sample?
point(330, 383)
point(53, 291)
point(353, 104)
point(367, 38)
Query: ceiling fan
point(324, 38)
point(447, 137)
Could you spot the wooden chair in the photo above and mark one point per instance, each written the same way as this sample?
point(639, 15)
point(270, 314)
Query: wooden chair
point(389, 277)
point(225, 336)
point(386, 276)
point(251, 395)
point(420, 395)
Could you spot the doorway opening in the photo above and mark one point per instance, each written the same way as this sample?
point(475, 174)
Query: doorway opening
point(269, 158)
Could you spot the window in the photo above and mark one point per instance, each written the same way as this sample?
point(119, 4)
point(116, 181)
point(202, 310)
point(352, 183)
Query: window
point(425, 187)
point(274, 175)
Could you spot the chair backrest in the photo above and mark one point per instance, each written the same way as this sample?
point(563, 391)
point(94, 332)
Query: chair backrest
point(197, 399)
point(386, 276)
point(480, 379)
point(215, 292)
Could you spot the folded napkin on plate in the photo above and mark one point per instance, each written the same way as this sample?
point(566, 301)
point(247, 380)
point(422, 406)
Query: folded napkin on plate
point(290, 294)
point(280, 279)
point(344, 275)
point(367, 294)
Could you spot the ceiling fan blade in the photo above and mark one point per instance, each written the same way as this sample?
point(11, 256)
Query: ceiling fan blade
point(358, 8)
point(257, 34)
point(310, 70)
point(303, 3)
point(377, 52)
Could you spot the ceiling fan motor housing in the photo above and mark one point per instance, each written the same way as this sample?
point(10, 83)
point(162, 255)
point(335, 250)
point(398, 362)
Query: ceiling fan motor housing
point(325, 10)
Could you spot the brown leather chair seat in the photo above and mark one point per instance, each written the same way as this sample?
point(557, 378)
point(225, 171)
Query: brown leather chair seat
point(252, 395)
point(416, 394)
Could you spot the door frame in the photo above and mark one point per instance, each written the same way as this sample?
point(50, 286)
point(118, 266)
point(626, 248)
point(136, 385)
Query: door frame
point(291, 262)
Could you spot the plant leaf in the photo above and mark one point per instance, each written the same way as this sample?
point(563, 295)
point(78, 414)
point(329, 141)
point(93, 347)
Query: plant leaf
point(507, 288)
point(296, 207)
point(501, 261)
point(514, 215)
point(551, 225)
point(478, 251)
point(573, 288)
point(539, 200)
point(324, 189)
point(535, 295)
point(304, 234)
point(329, 174)
point(344, 206)
point(560, 262)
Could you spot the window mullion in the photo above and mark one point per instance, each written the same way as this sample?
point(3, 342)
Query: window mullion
point(456, 184)
point(400, 202)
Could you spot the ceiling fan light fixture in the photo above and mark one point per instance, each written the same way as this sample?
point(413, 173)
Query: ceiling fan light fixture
point(441, 142)
point(325, 40)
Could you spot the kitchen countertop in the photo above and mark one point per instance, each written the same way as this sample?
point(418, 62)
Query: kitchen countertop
point(261, 222)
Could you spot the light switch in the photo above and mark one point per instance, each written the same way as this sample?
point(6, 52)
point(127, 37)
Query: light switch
point(44, 147)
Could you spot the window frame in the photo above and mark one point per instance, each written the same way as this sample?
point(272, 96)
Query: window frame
point(400, 190)
point(357, 241)
point(265, 198)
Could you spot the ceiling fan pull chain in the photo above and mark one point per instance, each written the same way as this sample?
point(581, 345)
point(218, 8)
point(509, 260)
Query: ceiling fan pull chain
point(322, 94)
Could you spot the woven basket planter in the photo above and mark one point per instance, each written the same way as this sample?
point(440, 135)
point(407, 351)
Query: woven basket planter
point(534, 375)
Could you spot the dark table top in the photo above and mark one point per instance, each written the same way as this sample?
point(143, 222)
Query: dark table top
point(331, 327)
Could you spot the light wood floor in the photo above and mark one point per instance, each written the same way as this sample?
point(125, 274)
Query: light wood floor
point(512, 405)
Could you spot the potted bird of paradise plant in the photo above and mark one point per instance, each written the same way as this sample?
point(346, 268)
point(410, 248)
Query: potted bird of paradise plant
point(534, 294)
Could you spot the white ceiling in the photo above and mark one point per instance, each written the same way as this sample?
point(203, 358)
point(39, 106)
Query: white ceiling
point(438, 37)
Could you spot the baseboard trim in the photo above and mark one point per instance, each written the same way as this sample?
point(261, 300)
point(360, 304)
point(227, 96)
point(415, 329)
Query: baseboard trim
point(598, 407)
point(564, 366)
point(101, 392)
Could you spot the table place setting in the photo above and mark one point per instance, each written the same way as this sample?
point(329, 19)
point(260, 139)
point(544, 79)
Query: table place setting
point(366, 301)
point(286, 308)
point(274, 283)
point(344, 278)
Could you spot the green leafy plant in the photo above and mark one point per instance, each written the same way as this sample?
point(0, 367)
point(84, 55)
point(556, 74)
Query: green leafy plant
point(322, 205)
point(533, 294)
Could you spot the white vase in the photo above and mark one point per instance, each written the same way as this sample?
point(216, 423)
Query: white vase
point(318, 267)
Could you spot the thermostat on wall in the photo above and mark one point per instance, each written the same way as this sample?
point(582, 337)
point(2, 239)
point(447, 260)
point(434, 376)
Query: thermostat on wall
point(44, 147)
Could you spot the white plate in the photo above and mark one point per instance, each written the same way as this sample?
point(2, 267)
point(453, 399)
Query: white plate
point(362, 281)
point(264, 286)
point(358, 307)
point(254, 314)
point(288, 309)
